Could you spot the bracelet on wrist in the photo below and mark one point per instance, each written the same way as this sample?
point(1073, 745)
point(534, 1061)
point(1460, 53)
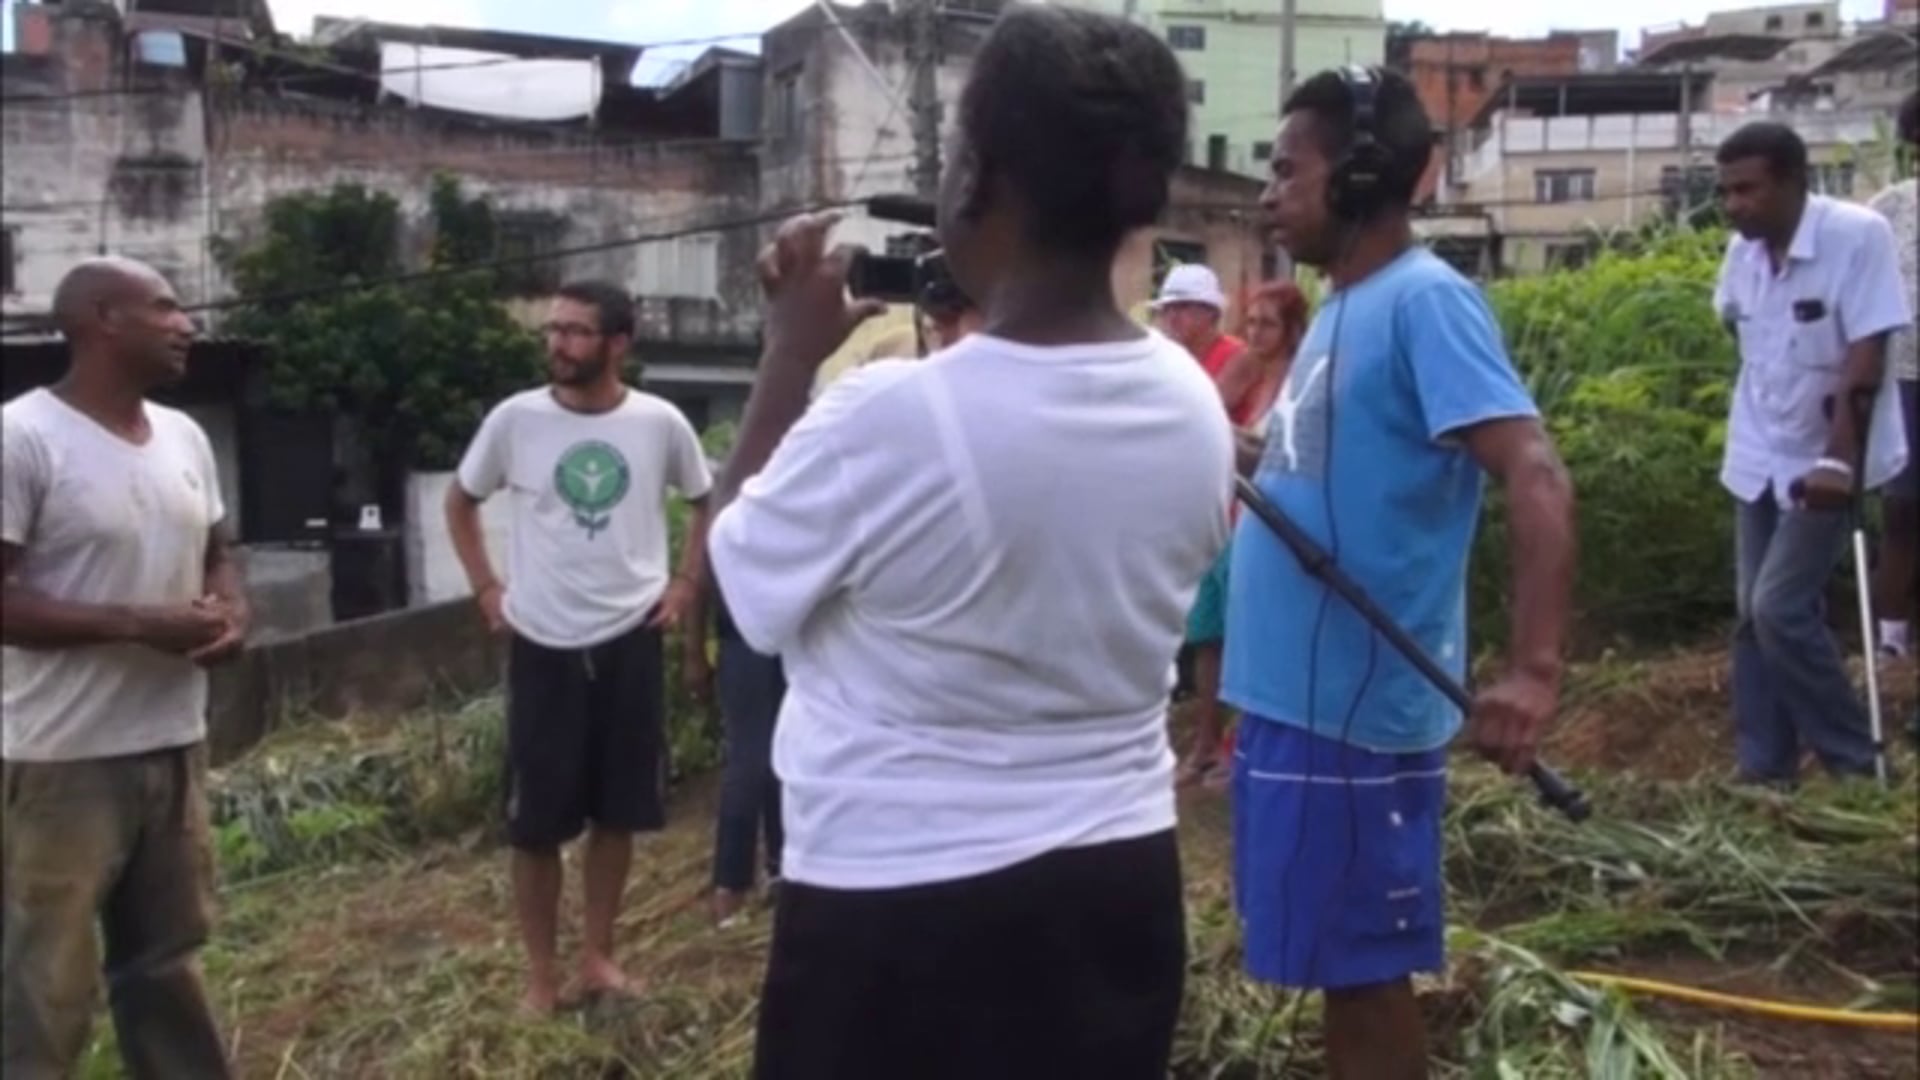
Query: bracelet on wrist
point(1833, 464)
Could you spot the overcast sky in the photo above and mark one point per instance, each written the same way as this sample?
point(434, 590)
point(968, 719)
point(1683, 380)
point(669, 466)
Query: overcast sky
point(645, 21)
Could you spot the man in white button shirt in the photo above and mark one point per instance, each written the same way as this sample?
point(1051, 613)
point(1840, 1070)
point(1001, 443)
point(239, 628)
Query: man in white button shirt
point(1811, 287)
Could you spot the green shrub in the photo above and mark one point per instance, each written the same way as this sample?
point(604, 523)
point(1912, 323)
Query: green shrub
point(1632, 369)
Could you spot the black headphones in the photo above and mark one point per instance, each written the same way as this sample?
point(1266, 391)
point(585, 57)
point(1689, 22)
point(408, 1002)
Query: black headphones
point(1355, 184)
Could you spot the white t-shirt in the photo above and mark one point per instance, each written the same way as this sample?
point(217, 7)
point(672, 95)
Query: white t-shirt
point(589, 554)
point(977, 570)
point(102, 521)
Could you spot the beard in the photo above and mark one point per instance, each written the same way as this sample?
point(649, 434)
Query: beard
point(569, 372)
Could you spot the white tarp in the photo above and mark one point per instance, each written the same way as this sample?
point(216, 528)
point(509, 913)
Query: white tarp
point(490, 84)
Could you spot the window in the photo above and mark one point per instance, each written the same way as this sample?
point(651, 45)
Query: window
point(1262, 154)
point(1571, 256)
point(1833, 178)
point(1562, 185)
point(1197, 91)
point(1477, 78)
point(1187, 38)
point(1168, 254)
point(1815, 20)
point(523, 235)
point(1774, 22)
point(784, 120)
point(1217, 152)
point(1692, 188)
point(687, 267)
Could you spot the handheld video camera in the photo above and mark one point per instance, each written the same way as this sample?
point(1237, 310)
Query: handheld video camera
point(915, 271)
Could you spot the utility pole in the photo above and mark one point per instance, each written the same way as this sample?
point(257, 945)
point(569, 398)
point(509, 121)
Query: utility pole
point(923, 54)
point(1288, 14)
point(1282, 262)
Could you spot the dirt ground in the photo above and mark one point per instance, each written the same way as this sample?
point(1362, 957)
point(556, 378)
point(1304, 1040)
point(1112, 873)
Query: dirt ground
point(409, 967)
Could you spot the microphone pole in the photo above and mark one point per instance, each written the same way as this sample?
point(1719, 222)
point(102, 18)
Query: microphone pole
point(1554, 789)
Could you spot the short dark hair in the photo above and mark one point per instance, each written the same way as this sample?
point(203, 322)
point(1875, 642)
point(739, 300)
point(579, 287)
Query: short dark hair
point(611, 303)
point(1909, 127)
point(1084, 116)
point(1400, 126)
point(1777, 144)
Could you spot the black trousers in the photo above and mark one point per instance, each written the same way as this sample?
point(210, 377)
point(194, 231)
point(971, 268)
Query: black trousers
point(1069, 965)
point(586, 739)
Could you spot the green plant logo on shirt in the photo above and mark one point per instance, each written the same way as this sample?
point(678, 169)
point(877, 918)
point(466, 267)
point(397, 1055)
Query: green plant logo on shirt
point(591, 479)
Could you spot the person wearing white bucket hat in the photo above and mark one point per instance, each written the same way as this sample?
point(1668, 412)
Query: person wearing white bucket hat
point(1190, 309)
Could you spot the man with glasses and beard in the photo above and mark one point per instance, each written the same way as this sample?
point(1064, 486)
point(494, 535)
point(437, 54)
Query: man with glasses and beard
point(587, 462)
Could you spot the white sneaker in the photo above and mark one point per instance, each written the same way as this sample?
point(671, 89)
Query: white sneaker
point(1895, 639)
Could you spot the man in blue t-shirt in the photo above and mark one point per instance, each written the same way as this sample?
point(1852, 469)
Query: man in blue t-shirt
point(1402, 396)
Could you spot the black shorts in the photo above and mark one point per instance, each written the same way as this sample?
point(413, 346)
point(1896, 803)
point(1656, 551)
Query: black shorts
point(1069, 965)
point(585, 739)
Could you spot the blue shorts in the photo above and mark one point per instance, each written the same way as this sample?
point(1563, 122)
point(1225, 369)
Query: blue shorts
point(1207, 622)
point(1338, 884)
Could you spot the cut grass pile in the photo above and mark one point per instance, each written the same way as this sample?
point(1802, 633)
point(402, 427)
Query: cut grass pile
point(367, 932)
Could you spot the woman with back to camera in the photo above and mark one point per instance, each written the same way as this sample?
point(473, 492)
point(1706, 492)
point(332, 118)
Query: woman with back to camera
point(976, 568)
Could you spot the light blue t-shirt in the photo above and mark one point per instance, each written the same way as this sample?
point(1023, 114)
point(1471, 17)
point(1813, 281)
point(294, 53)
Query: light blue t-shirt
point(1412, 355)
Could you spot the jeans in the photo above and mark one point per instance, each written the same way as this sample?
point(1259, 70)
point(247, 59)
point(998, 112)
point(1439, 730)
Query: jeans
point(751, 687)
point(121, 843)
point(1790, 683)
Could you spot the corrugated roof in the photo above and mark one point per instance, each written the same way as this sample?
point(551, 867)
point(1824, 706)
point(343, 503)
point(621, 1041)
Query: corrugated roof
point(1595, 94)
point(1887, 49)
point(1751, 48)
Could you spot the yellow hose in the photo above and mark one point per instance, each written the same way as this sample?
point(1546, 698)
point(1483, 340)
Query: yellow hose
point(1883, 1021)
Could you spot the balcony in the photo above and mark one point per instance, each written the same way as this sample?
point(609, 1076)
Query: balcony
point(1509, 136)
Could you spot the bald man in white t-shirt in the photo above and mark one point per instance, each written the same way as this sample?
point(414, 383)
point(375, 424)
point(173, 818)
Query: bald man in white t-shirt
point(120, 587)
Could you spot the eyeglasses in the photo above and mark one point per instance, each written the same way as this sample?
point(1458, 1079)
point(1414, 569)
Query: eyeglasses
point(569, 330)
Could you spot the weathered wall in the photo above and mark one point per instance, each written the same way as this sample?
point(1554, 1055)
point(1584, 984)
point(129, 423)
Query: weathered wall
point(1216, 211)
point(102, 173)
point(157, 175)
point(852, 138)
point(290, 591)
point(593, 192)
point(433, 570)
point(388, 663)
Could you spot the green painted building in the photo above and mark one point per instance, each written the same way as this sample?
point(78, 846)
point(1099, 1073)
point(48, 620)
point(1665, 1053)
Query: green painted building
point(1231, 50)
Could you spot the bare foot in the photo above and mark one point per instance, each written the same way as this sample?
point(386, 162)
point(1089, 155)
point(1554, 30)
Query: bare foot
point(601, 977)
point(540, 1000)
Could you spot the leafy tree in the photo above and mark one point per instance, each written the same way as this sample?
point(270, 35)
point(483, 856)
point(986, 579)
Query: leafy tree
point(415, 363)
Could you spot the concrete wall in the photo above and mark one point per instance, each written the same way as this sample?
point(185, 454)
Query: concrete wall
point(1241, 61)
point(157, 175)
point(290, 591)
point(1455, 74)
point(1627, 154)
point(853, 137)
point(433, 570)
point(394, 662)
point(1214, 210)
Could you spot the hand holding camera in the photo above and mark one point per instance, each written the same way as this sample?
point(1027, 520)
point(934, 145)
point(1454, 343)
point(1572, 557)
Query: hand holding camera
point(809, 313)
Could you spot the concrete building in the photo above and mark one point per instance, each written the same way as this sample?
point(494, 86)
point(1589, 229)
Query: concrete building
point(1231, 50)
point(1556, 159)
point(838, 128)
